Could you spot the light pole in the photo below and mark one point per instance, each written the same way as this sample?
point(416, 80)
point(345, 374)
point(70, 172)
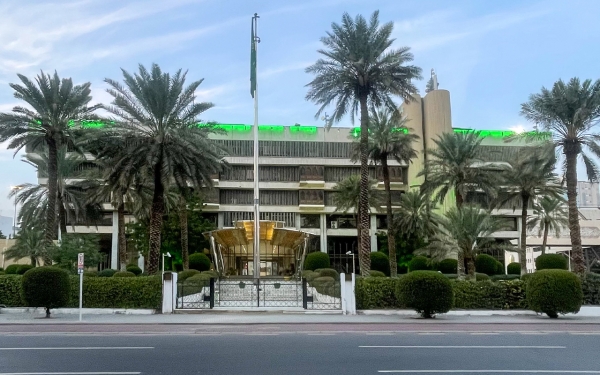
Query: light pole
point(15, 188)
point(163, 261)
point(353, 265)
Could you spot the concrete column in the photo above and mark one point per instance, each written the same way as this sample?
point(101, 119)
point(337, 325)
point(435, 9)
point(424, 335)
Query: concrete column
point(298, 221)
point(114, 250)
point(169, 292)
point(141, 262)
point(221, 220)
point(324, 233)
point(413, 111)
point(372, 233)
point(348, 295)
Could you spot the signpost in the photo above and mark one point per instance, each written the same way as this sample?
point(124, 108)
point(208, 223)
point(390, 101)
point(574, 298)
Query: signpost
point(80, 272)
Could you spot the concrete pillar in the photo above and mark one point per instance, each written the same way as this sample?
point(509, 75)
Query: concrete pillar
point(324, 233)
point(347, 294)
point(141, 262)
point(221, 220)
point(114, 250)
point(372, 233)
point(413, 112)
point(298, 221)
point(169, 292)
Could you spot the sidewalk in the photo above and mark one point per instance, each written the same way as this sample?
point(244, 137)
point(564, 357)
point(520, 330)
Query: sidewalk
point(587, 315)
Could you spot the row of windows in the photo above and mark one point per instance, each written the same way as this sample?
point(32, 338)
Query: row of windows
point(289, 149)
point(308, 221)
point(285, 197)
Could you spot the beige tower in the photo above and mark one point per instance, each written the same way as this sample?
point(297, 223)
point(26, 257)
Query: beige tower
point(413, 111)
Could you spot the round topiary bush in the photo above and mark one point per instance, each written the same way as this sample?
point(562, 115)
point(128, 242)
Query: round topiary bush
point(551, 262)
point(134, 269)
point(326, 285)
point(200, 262)
point(330, 272)
point(514, 268)
point(24, 268)
point(380, 262)
point(500, 268)
point(554, 292)
point(316, 261)
point(184, 275)
point(428, 292)
point(211, 273)
point(106, 273)
point(47, 287)
point(419, 263)
point(481, 277)
point(374, 273)
point(90, 273)
point(124, 274)
point(448, 266)
point(12, 269)
point(486, 264)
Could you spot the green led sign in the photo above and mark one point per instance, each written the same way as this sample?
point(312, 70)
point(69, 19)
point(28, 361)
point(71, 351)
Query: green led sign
point(355, 132)
point(303, 129)
point(500, 133)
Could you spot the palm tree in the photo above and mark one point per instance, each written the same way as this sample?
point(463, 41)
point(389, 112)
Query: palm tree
point(390, 138)
point(347, 198)
point(158, 117)
point(54, 105)
point(359, 69)
point(414, 216)
point(570, 111)
point(549, 214)
point(465, 231)
point(529, 177)
point(29, 244)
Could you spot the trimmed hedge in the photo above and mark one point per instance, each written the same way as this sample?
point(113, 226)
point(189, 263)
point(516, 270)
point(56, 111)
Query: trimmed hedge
point(376, 293)
point(199, 261)
point(10, 291)
point(24, 268)
point(551, 262)
point(554, 292)
point(419, 263)
point(373, 273)
point(184, 275)
point(143, 292)
point(590, 286)
point(134, 269)
point(327, 285)
point(46, 287)
point(90, 273)
point(481, 277)
point(316, 261)
point(505, 295)
point(12, 269)
point(106, 273)
point(487, 264)
point(514, 268)
point(448, 266)
point(328, 272)
point(428, 292)
point(124, 274)
point(380, 262)
point(505, 277)
point(500, 268)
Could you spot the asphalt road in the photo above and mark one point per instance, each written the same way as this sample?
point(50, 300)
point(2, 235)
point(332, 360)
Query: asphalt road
point(310, 353)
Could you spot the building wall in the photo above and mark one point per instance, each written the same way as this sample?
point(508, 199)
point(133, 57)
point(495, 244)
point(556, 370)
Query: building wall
point(588, 194)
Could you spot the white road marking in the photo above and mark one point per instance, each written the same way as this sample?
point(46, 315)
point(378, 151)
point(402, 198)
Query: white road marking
point(379, 333)
point(584, 333)
point(321, 334)
point(484, 333)
point(257, 334)
point(489, 371)
point(534, 333)
point(432, 333)
point(84, 348)
point(463, 346)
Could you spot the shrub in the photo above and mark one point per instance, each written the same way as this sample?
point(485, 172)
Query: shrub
point(106, 273)
point(316, 260)
point(377, 274)
point(419, 263)
point(330, 272)
point(1, 272)
point(326, 285)
point(143, 292)
point(10, 290)
point(24, 268)
point(514, 268)
point(481, 277)
point(500, 295)
point(134, 269)
point(310, 275)
point(554, 292)
point(306, 274)
point(200, 280)
point(123, 274)
point(591, 288)
point(428, 292)
point(448, 266)
point(500, 268)
point(551, 262)
point(12, 269)
point(213, 274)
point(90, 273)
point(376, 293)
point(451, 276)
point(486, 264)
point(505, 277)
point(47, 287)
point(199, 261)
point(1, 269)
point(380, 262)
point(184, 275)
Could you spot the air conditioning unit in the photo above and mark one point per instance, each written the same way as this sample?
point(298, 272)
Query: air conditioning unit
point(334, 225)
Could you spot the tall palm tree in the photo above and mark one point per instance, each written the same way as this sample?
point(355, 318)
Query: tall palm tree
point(528, 177)
point(414, 216)
point(389, 138)
point(157, 115)
point(465, 231)
point(53, 105)
point(549, 214)
point(29, 244)
point(347, 199)
point(360, 69)
point(570, 111)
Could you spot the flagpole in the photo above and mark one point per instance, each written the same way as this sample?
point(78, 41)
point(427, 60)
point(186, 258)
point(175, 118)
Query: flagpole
point(256, 237)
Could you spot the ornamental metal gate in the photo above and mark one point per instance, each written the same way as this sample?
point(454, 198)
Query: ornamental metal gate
point(255, 293)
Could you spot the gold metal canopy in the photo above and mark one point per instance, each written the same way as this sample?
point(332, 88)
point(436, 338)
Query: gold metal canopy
point(271, 231)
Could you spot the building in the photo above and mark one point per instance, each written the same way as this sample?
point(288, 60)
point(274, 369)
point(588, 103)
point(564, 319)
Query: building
point(299, 167)
point(588, 194)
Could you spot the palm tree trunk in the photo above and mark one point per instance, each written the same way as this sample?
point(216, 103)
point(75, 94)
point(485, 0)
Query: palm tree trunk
point(364, 253)
point(62, 214)
point(523, 248)
point(50, 230)
point(470, 265)
point(33, 261)
point(183, 223)
point(574, 229)
point(122, 237)
point(461, 258)
point(156, 217)
point(459, 199)
point(391, 233)
point(545, 241)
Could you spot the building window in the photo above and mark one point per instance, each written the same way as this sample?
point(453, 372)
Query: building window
point(310, 221)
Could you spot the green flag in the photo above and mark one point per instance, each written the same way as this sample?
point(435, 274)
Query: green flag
point(252, 60)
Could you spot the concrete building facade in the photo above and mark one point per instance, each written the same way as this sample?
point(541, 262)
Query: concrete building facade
point(588, 194)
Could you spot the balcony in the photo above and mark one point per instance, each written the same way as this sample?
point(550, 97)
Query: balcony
point(312, 176)
point(312, 199)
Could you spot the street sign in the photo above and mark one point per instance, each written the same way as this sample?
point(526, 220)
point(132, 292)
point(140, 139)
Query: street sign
point(80, 263)
point(80, 272)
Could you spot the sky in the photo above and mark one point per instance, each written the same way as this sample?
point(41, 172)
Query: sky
point(490, 55)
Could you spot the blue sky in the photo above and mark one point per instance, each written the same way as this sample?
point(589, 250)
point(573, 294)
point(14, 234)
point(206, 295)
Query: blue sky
point(490, 55)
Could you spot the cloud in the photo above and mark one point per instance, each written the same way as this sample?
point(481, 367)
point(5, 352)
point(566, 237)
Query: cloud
point(270, 72)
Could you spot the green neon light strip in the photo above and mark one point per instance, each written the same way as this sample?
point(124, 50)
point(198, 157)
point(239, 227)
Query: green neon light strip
point(499, 133)
point(355, 132)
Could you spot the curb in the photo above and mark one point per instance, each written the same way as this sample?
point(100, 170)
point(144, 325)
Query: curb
point(72, 311)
